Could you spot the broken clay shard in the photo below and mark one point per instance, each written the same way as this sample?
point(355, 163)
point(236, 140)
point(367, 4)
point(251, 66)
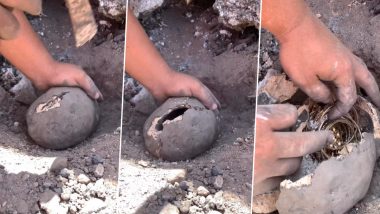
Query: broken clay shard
point(62, 118)
point(180, 129)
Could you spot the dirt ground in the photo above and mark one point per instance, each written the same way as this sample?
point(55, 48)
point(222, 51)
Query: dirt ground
point(356, 23)
point(192, 41)
point(25, 168)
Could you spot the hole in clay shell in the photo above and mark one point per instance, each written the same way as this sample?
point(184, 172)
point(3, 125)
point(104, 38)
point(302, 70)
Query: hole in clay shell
point(171, 116)
point(54, 102)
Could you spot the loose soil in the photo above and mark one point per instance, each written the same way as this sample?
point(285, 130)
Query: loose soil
point(192, 41)
point(24, 166)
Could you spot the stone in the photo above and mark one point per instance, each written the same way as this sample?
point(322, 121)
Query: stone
point(202, 191)
point(24, 91)
point(62, 118)
point(275, 88)
point(144, 102)
point(169, 209)
point(185, 206)
point(58, 164)
point(114, 9)
point(180, 129)
point(99, 171)
point(144, 7)
point(238, 14)
point(83, 179)
point(93, 205)
point(49, 201)
point(218, 182)
point(176, 175)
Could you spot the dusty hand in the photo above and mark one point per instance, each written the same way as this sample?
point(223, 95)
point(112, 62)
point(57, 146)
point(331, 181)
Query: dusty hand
point(178, 84)
point(8, 23)
point(279, 154)
point(63, 74)
point(311, 55)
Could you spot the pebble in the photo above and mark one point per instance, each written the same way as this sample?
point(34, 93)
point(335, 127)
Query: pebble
point(49, 201)
point(96, 159)
point(83, 179)
point(99, 171)
point(184, 185)
point(215, 171)
point(177, 175)
point(58, 164)
point(202, 191)
point(93, 205)
point(143, 163)
point(218, 182)
point(169, 209)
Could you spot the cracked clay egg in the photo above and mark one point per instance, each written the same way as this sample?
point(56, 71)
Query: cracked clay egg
point(337, 177)
point(180, 129)
point(62, 117)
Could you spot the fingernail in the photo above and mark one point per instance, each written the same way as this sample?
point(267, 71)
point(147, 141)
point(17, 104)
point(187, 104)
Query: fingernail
point(97, 95)
point(214, 106)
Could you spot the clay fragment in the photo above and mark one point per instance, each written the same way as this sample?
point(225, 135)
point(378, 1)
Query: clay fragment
point(61, 118)
point(180, 129)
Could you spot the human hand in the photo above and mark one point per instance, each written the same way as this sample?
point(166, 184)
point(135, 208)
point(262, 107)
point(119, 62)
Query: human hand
point(278, 153)
point(62, 74)
point(176, 84)
point(312, 56)
point(9, 25)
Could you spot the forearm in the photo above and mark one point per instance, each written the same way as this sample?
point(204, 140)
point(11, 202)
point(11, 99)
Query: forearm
point(26, 51)
point(143, 62)
point(281, 17)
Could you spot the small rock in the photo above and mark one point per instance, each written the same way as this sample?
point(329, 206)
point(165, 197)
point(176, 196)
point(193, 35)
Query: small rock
point(185, 206)
point(202, 191)
point(184, 185)
point(58, 164)
point(218, 182)
point(177, 175)
point(93, 205)
point(49, 201)
point(83, 179)
point(97, 159)
point(143, 163)
point(66, 173)
point(99, 171)
point(215, 171)
point(214, 212)
point(169, 209)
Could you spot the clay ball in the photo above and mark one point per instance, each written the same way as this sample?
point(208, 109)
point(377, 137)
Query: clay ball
point(62, 117)
point(180, 129)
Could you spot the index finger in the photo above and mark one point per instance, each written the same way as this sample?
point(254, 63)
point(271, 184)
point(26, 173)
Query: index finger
point(279, 116)
point(33, 7)
point(298, 144)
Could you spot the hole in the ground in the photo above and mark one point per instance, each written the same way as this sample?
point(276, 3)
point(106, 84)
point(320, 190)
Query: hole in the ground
point(171, 116)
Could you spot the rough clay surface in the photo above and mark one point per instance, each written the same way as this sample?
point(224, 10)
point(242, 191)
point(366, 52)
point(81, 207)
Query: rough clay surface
point(144, 7)
point(81, 176)
point(62, 117)
point(238, 14)
point(114, 9)
point(336, 185)
point(356, 24)
point(192, 41)
point(184, 136)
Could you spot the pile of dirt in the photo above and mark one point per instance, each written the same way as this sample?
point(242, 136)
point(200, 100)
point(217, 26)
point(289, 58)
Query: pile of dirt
point(192, 41)
point(36, 180)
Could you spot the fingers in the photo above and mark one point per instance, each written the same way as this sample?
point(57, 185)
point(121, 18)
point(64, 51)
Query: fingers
point(88, 85)
point(346, 98)
point(298, 144)
point(277, 117)
point(33, 7)
point(267, 185)
point(317, 91)
point(8, 24)
point(206, 97)
point(365, 80)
